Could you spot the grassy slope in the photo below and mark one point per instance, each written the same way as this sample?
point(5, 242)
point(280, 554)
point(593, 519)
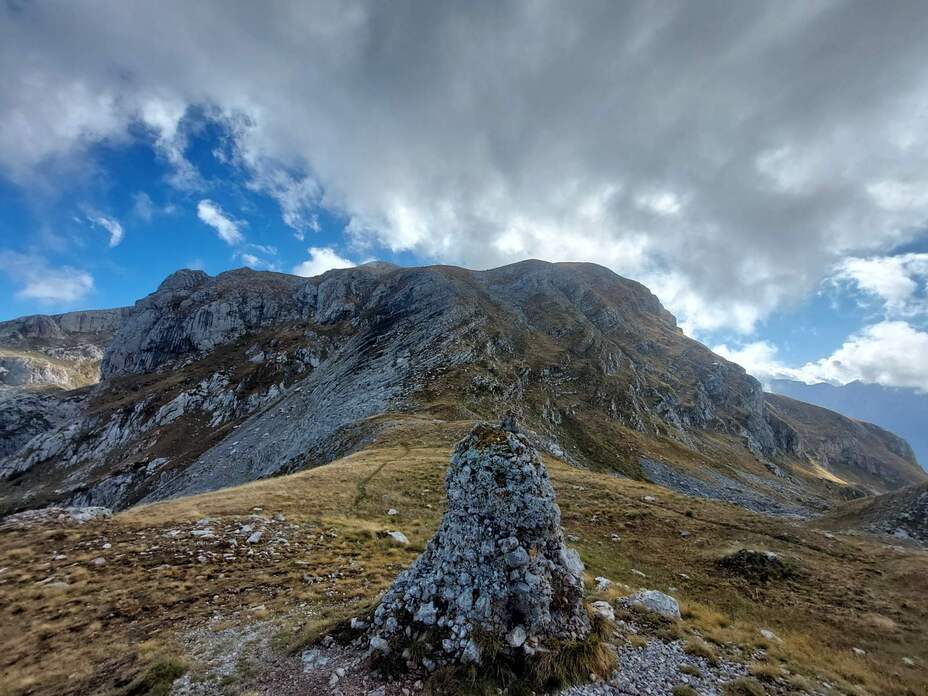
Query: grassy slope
point(93, 629)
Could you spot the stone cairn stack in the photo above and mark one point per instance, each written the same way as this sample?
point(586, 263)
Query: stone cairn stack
point(496, 572)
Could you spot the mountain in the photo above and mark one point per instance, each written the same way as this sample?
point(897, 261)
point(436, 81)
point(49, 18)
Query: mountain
point(62, 350)
point(41, 355)
point(211, 382)
point(902, 411)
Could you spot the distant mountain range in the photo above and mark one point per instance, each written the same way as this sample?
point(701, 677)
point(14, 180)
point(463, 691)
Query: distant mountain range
point(901, 411)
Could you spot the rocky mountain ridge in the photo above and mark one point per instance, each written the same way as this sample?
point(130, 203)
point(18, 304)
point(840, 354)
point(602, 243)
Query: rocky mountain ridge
point(213, 381)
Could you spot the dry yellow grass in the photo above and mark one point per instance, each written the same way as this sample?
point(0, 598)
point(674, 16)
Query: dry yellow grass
point(71, 627)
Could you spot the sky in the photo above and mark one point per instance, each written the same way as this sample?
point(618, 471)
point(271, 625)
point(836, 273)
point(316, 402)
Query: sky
point(762, 167)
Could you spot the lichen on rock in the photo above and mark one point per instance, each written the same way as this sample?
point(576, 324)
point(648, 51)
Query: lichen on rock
point(497, 572)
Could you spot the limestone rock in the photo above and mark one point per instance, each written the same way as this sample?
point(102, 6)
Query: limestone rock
point(497, 567)
point(655, 601)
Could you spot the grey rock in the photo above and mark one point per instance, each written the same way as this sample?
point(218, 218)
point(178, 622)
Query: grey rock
point(398, 537)
point(604, 609)
point(655, 601)
point(498, 489)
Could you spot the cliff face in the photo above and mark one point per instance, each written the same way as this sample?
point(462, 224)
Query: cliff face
point(213, 381)
point(62, 350)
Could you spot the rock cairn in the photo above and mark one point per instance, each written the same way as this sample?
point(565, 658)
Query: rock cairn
point(497, 571)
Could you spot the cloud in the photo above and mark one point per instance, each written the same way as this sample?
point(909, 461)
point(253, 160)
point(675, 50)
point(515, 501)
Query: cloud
point(321, 259)
point(142, 206)
point(898, 282)
point(164, 117)
point(721, 156)
point(40, 281)
point(111, 225)
point(890, 353)
point(226, 228)
point(252, 260)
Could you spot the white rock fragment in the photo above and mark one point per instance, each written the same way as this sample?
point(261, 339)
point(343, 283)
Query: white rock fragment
point(398, 537)
point(516, 637)
point(658, 602)
point(603, 609)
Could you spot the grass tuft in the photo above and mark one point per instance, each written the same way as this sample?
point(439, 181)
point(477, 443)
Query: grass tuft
point(700, 648)
point(745, 686)
point(157, 678)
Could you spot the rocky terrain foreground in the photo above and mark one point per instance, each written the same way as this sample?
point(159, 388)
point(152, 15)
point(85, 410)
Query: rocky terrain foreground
point(230, 592)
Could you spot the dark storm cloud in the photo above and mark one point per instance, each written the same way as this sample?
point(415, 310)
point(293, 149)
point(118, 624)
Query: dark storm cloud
point(728, 154)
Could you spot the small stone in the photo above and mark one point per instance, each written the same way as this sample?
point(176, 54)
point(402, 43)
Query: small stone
point(517, 558)
point(392, 512)
point(254, 538)
point(426, 614)
point(399, 538)
point(358, 624)
point(313, 659)
point(516, 637)
point(602, 584)
point(99, 561)
point(378, 644)
point(603, 609)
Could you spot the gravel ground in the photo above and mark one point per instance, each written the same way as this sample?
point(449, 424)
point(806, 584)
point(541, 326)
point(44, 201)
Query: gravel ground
point(655, 669)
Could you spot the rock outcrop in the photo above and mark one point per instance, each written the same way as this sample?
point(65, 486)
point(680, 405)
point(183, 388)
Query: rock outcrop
point(497, 570)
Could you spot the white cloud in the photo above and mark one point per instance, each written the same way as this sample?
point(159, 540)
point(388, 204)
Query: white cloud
point(321, 259)
point(441, 135)
point(900, 195)
point(42, 282)
point(226, 228)
point(890, 353)
point(256, 262)
point(660, 202)
point(142, 206)
point(894, 280)
point(758, 359)
point(164, 116)
point(111, 225)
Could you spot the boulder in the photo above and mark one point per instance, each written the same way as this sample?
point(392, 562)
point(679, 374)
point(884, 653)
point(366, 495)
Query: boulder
point(497, 570)
point(655, 601)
